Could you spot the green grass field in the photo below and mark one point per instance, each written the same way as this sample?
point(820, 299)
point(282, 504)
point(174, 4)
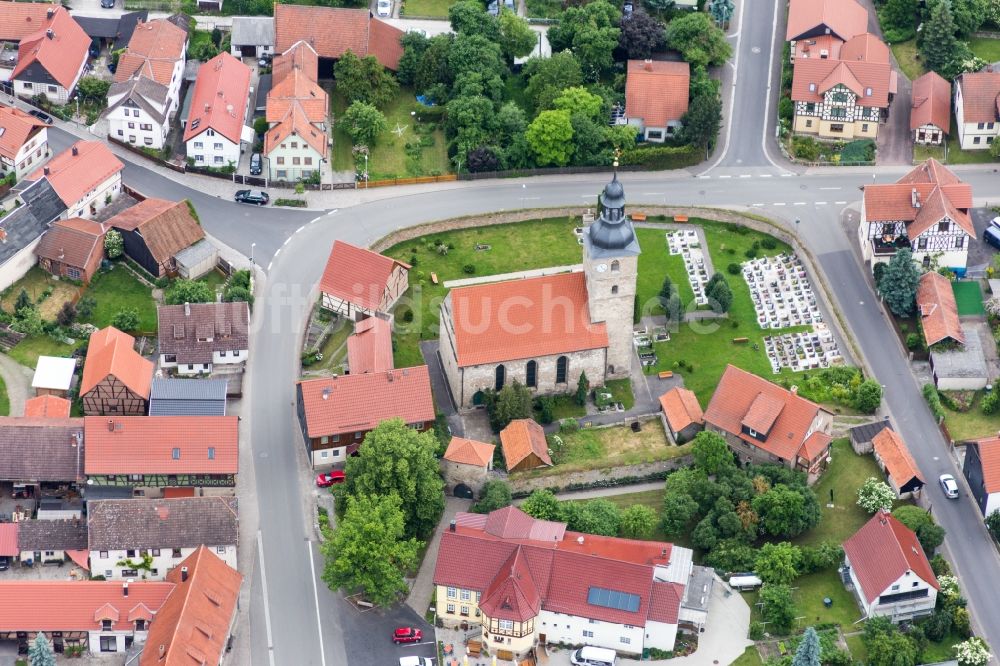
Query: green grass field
point(749, 658)
point(436, 8)
point(909, 58)
point(27, 351)
point(973, 424)
point(117, 290)
point(985, 48)
point(969, 297)
point(4, 400)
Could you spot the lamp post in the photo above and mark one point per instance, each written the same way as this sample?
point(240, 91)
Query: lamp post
point(252, 246)
point(366, 171)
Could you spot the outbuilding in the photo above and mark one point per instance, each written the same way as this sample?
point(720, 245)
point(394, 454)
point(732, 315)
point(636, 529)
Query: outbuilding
point(53, 376)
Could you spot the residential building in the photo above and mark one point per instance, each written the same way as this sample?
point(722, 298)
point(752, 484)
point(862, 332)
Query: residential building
point(938, 310)
point(467, 463)
point(252, 37)
point(369, 348)
point(335, 31)
point(982, 471)
point(527, 582)
point(894, 458)
point(930, 115)
point(297, 141)
point(52, 541)
point(113, 32)
point(359, 283)
point(116, 378)
point(524, 446)
point(21, 229)
point(197, 338)
point(8, 541)
point(187, 397)
point(24, 142)
point(216, 127)
point(976, 113)
point(926, 211)
point(681, 413)
point(51, 58)
point(47, 407)
point(151, 536)
point(39, 454)
point(154, 453)
point(765, 423)
point(886, 569)
point(335, 413)
point(545, 331)
point(155, 231)
point(72, 248)
point(818, 28)
point(656, 97)
point(87, 177)
point(53, 376)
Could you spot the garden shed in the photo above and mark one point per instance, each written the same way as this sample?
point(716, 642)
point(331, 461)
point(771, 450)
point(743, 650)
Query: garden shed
point(196, 260)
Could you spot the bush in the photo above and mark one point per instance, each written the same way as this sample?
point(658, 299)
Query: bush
point(733, 269)
point(913, 341)
point(756, 631)
point(469, 269)
point(786, 109)
point(990, 402)
point(190, 291)
point(806, 148)
point(126, 320)
point(662, 157)
point(897, 35)
point(862, 150)
point(768, 243)
point(933, 401)
point(291, 203)
point(67, 313)
point(868, 396)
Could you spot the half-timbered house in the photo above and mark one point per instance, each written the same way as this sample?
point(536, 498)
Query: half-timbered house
point(116, 378)
point(358, 283)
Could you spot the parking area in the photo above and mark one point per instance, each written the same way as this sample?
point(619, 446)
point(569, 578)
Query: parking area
point(980, 253)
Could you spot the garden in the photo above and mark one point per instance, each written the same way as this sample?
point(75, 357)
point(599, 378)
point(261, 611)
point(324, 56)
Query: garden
point(47, 293)
point(114, 291)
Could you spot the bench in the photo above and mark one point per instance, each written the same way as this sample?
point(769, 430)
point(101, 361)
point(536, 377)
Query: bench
point(666, 374)
point(638, 217)
point(740, 341)
point(364, 604)
point(680, 218)
point(474, 647)
point(434, 278)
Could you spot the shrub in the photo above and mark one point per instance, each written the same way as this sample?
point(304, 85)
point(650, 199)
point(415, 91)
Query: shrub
point(862, 150)
point(756, 631)
point(67, 313)
point(933, 400)
point(990, 402)
point(868, 396)
point(291, 203)
point(750, 253)
point(469, 269)
point(913, 341)
point(768, 243)
point(733, 269)
point(662, 157)
point(113, 244)
point(874, 495)
point(805, 148)
point(786, 109)
point(897, 35)
point(126, 319)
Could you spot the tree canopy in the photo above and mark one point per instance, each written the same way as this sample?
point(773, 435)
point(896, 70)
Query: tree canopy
point(364, 80)
point(189, 291)
point(547, 77)
point(700, 42)
point(641, 34)
point(550, 136)
point(899, 282)
point(363, 122)
point(710, 451)
point(591, 32)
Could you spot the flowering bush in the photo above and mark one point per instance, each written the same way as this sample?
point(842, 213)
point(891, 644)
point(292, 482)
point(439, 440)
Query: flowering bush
point(874, 495)
point(972, 652)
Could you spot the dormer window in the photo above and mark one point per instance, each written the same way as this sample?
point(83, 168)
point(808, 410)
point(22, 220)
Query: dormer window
point(868, 92)
point(105, 625)
point(812, 87)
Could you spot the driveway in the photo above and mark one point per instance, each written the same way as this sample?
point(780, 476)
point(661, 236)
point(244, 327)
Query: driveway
point(980, 253)
point(895, 143)
point(18, 381)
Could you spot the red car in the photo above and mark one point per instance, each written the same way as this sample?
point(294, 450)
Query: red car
point(327, 479)
point(407, 635)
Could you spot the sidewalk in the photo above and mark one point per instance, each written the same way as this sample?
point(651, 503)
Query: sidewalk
point(422, 589)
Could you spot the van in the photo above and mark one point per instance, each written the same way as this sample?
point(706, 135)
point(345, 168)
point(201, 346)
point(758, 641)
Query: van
point(744, 582)
point(992, 236)
point(593, 656)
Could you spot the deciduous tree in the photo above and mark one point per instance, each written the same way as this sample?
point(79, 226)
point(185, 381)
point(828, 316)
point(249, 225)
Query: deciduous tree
point(542, 504)
point(578, 100)
point(641, 34)
point(679, 510)
point(547, 77)
point(786, 511)
point(495, 495)
point(637, 522)
point(364, 80)
point(126, 319)
point(189, 291)
point(114, 246)
point(591, 32)
point(875, 495)
point(511, 402)
point(550, 137)
point(702, 121)
point(468, 18)
point(778, 608)
point(711, 453)
point(778, 562)
point(363, 122)
point(699, 40)
point(517, 39)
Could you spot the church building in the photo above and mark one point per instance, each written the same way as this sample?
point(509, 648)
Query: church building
point(544, 331)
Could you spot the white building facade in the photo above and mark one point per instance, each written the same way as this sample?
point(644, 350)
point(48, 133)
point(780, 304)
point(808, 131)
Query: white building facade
point(130, 563)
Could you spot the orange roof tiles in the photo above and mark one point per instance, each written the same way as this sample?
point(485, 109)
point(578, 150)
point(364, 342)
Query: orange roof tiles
point(20, 19)
point(8, 540)
point(369, 349)
point(469, 452)
point(219, 100)
point(763, 412)
point(816, 445)
point(334, 31)
point(520, 439)
point(865, 47)
point(931, 101)
point(657, 91)
point(938, 191)
point(300, 56)
point(79, 169)
point(354, 403)
point(298, 87)
point(680, 405)
point(894, 454)
point(979, 96)
point(73, 605)
point(871, 81)
point(844, 18)
point(154, 49)
point(47, 406)
point(938, 309)
point(882, 551)
point(527, 318)
point(512, 595)
point(59, 46)
point(16, 128)
point(161, 445)
point(295, 123)
point(166, 227)
point(989, 456)
point(111, 352)
point(814, 47)
point(72, 242)
point(357, 275)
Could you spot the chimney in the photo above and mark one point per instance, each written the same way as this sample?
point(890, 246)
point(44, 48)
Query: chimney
point(648, 65)
point(915, 198)
point(111, 425)
point(389, 375)
point(579, 540)
point(125, 589)
point(184, 574)
point(451, 526)
point(207, 107)
point(49, 33)
point(663, 553)
point(75, 150)
point(50, 12)
point(187, 309)
point(45, 171)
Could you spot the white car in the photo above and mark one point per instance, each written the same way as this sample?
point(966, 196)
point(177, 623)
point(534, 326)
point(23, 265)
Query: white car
point(416, 661)
point(385, 7)
point(948, 485)
point(995, 222)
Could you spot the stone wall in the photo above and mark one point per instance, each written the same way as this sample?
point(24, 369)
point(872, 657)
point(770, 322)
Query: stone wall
point(525, 484)
point(456, 473)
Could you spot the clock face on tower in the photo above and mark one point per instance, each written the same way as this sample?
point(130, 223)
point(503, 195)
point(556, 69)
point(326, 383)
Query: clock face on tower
point(601, 268)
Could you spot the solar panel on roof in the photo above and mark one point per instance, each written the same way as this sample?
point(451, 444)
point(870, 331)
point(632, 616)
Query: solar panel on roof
point(599, 596)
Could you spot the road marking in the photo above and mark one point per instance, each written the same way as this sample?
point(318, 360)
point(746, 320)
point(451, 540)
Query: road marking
point(745, 175)
point(840, 203)
point(757, 204)
point(319, 623)
point(290, 237)
point(787, 175)
point(820, 203)
point(799, 203)
point(725, 176)
point(704, 176)
point(653, 194)
point(831, 188)
point(269, 266)
point(732, 95)
point(767, 175)
point(779, 203)
point(770, 77)
point(267, 610)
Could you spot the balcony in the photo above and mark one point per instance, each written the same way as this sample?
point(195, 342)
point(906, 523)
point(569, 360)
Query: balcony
point(887, 245)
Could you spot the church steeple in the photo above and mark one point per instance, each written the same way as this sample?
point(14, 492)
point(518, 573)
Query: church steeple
point(612, 233)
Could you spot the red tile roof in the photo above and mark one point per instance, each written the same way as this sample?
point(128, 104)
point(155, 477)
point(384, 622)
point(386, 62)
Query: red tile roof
point(665, 603)
point(219, 100)
point(47, 406)
point(657, 91)
point(892, 451)
point(882, 551)
point(357, 274)
point(20, 19)
point(297, 86)
point(816, 445)
point(866, 47)
point(469, 452)
point(334, 31)
point(989, 455)
point(299, 55)
point(931, 101)
point(528, 318)
point(938, 309)
point(72, 605)
point(62, 54)
point(520, 439)
point(512, 595)
point(295, 123)
point(148, 444)
point(17, 128)
point(844, 18)
point(740, 395)
point(870, 81)
point(153, 51)
point(938, 191)
point(979, 96)
point(72, 242)
point(192, 626)
point(8, 540)
point(680, 406)
point(111, 352)
point(355, 403)
point(814, 47)
point(369, 349)
point(73, 174)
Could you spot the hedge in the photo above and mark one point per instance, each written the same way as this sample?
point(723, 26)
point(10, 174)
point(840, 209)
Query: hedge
point(663, 157)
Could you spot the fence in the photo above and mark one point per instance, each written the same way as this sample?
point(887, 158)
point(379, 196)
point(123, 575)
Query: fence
point(256, 181)
point(420, 180)
point(547, 171)
point(326, 187)
point(139, 151)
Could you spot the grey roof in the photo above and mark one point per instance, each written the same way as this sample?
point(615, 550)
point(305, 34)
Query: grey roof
point(263, 88)
point(185, 522)
point(698, 588)
point(94, 493)
point(195, 254)
point(68, 534)
point(28, 222)
point(140, 90)
point(253, 31)
point(867, 431)
point(41, 449)
point(187, 397)
point(611, 235)
point(119, 28)
point(126, 26)
point(965, 362)
point(194, 331)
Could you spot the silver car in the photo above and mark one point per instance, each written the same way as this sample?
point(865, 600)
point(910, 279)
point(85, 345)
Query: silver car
point(948, 486)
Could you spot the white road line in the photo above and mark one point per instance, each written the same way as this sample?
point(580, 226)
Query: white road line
point(528, 198)
point(787, 175)
point(820, 203)
point(653, 194)
point(831, 188)
point(267, 610)
point(290, 237)
point(725, 176)
point(732, 96)
point(269, 266)
point(767, 175)
point(779, 203)
point(319, 624)
point(799, 203)
point(770, 77)
point(757, 204)
point(745, 175)
point(840, 203)
point(704, 176)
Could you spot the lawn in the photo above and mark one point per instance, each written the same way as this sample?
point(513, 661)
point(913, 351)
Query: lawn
point(417, 8)
point(550, 9)
point(565, 407)
point(857, 647)
point(922, 153)
point(389, 158)
point(808, 593)
point(969, 297)
point(4, 400)
point(214, 279)
point(334, 349)
point(621, 391)
point(909, 59)
point(35, 283)
point(985, 48)
point(27, 351)
point(973, 424)
point(749, 658)
point(116, 290)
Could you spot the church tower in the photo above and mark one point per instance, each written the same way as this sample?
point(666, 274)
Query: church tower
point(611, 264)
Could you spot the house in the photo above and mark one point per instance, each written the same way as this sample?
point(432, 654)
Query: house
point(886, 568)
point(359, 283)
point(976, 113)
point(112, 33)
point(53, 376)
point(938, 310)
point(24, 142)
point(296, 142)
point(467, 463)
point(252, 37)
point(154, 231)
point(818, 28)
point(844, 98)
point(681, 413)
point(961, 367)
point(22, 228)
point(765, 423)
point(216, 128)
point(39, 454)
point(526, 581)
point(197, 338)
point(544, 331)
point(153, 454)
point(152, 536)
point(187, 397)
point(116, 378)
point(369, 348)
point(927, 211)
point(51, 58)
point(862, 435)
point(656, 97)
point(335, 31)
point(87, 177)
point(982, 471)
point(335, 413)
point(72, 248)
point(47, 407)
point(524, 446)
point(52, 541)
point(895, 460)
point(930, 115)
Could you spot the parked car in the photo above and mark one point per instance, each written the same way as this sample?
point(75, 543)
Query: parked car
point(256, 164)
point(949, 486)
point(252, 197)
point(407, 635)
point(41, 115)
point(416, 661)
point(95, 49)
point(108, 4)
point(995, 222)
point(992, 236)
point(327, 479)
point(384, 8)
point(4, 563)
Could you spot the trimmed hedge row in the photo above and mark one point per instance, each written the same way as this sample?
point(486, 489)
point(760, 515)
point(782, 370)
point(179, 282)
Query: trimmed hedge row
point(663, 157)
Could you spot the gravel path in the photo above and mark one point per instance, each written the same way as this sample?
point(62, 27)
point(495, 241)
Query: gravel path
point(18, 381)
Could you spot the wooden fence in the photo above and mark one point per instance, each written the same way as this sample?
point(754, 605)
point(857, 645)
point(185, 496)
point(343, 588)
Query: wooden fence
point(420, 180)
